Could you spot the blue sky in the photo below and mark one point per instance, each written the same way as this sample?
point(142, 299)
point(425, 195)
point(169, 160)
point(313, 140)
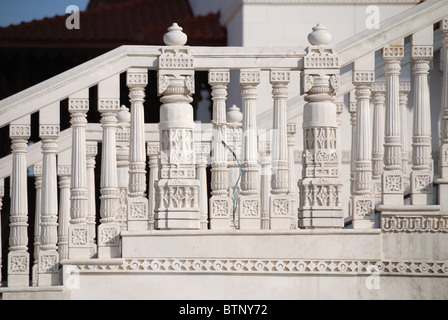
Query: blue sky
point(17, 11)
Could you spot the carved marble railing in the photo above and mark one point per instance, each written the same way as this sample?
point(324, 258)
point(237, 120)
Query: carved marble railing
point(251, 170)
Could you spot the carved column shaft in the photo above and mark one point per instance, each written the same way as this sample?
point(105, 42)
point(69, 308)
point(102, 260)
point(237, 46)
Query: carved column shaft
point(280, 203)
point(109, 229)
point(79, 231)
point(405, 87)
point(264, 148)
point(393, 175)
point(91, 153)
point(137, 79)
point(378, 91)
point(18, 256)
point(249, 201)
point(153, 154)
point(37, 172)
point(291, 131)
point(64, 211)
point(48, 256)
point(422, 174)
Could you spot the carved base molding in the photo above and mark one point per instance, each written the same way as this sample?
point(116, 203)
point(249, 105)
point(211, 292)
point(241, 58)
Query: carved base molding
point(271, 266)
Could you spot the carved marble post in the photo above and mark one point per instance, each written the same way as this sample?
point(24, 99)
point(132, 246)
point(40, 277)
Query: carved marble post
point(109, 229)
point(362, 200)
point(249, 205)
point(64, 209)
point(352, 109)
point(405, 87)
point(136, 80)
point(392, 179)
point(220, 202)
point(18, 256)
point(79, 231)
point(178, 188)
point(37, 172)
point(48, 255)
point(422, 173)
point(153, 154)
point(122, 140)
point(320, 186)
point(443, 159)
point(280, 202)
point(264, 149)
point(91, 152)
point(378, 99)
point(2, 194)
point(202, 153)
point(291, 129)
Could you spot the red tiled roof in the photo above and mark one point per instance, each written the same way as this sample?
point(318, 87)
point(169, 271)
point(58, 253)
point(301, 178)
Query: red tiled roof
point(124, 22)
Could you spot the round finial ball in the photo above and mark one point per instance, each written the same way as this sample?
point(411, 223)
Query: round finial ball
point(123, 115)
point(234, 115)
point(175, 36)
point(320, 36)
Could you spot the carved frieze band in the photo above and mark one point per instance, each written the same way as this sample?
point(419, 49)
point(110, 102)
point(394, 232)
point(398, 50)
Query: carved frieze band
point(414, 224)
point(273, 266)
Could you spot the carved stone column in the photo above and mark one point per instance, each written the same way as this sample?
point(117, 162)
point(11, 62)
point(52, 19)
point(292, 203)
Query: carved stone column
point(352, 109)
point(405, 87)
point(202, 153)
point(79, 231)
point(392, 179)
point(422, 174)
point(137, 79)
point(64, 210)
point(153, 154)
point(91, 153)
point(362, 200)
point(178, 188)
point(443, 151)
point(220, 202)
point(291, 129)
point(249, 202)
point(379, 98)
point(264, 149)
point(122, 140)
point(37, 172)
point(109, 229)
point(48, 256)
point(320, 187)
point(18, 256)
point(280, 202)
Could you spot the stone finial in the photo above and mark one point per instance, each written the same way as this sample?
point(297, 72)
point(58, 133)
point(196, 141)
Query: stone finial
point(123, 115)
point(320, 36)
point(234, 115)
point(175, 36)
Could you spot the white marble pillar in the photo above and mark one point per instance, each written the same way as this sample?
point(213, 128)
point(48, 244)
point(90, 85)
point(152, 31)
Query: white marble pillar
point(264, 149)
point(109, 229)
point(352, 109)
point(378, 99)
point(37, 172)
point(91, 153)
point(220, 202)
point(137, 79)
point(422, 176)
point(405, 87)
point(201, 175)
point(363, 213)
point(392, 180)
point(320, 186)
point(18, 256)
point(48, 255)
point(79, 231)
point(122, 139)
point(153, 155)
point(280, 202)
point(64, 210)
point(249, 202)
point(443, 153)
point(291, 129)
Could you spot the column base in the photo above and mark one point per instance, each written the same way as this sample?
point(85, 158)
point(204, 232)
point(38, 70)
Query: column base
point(323, 218)
point(48, 269)
point(249, 209)
point(280, 212)
point(109, 241)
point(442, 195)
point(18, 269)
point(138, 219)
point(221, 213)
point(421, 188)
point(78, 241)
point(392, 182)
point(363, 212)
